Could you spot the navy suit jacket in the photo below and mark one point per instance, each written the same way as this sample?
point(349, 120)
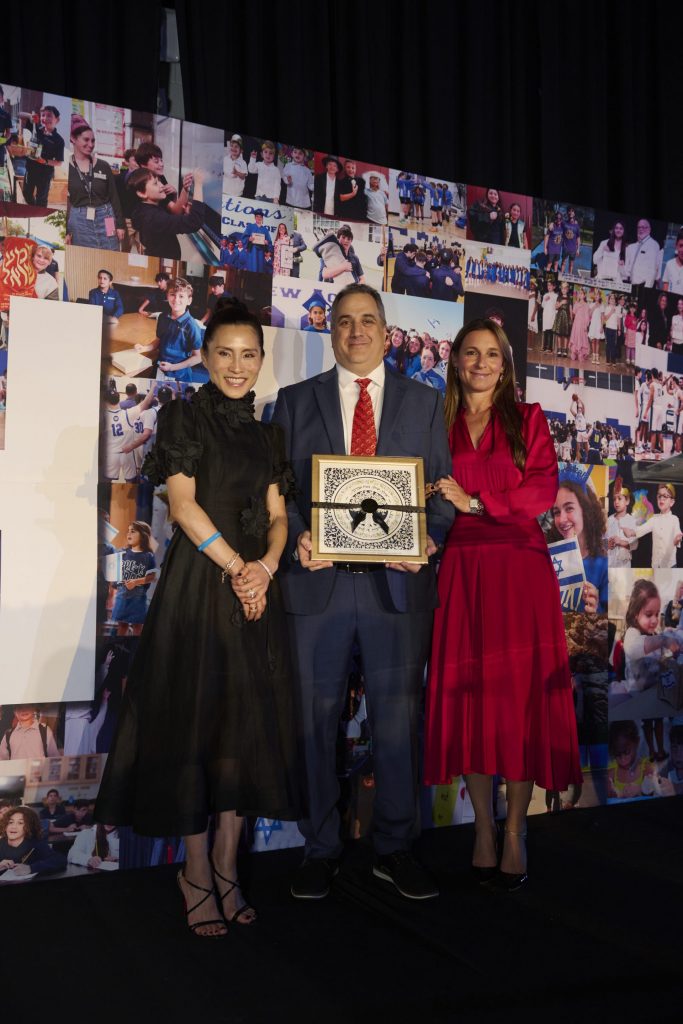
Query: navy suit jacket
point(412, 424)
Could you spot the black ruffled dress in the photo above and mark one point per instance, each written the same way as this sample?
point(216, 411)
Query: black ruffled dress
point(208, 721)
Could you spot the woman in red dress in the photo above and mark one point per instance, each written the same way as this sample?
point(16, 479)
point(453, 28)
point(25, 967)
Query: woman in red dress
point(499, 698)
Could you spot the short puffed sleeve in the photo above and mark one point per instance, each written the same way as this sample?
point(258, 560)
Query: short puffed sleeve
point(177, 448)
point(282, 473)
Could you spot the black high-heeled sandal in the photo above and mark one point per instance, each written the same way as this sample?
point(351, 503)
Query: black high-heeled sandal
point(506, 881)
point(243, 909)
point(190, 910)
point(484, 875)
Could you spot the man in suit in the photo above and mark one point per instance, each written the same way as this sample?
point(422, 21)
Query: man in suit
point(361, 407)
point(327, 187)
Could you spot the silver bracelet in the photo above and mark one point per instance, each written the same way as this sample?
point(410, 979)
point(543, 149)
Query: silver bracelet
point(229, 565)
point(264, 566)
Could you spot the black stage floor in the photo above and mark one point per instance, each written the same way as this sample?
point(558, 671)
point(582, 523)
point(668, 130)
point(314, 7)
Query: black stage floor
point(596, 936)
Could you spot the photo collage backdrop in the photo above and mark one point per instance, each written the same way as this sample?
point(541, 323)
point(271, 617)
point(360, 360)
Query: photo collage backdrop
point(153, 219)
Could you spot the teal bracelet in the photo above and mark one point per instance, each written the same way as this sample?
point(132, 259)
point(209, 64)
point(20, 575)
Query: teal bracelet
point(209, 540)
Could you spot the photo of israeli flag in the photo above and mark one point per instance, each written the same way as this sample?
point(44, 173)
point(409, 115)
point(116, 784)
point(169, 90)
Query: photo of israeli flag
point(568, 565)
point(113, 567)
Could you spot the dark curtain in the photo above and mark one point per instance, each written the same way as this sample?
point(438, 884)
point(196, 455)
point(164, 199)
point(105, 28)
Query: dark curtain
point(91, 51)
point(571, 101)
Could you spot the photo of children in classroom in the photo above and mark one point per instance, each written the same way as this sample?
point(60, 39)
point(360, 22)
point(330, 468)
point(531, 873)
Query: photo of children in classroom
point(114, 176)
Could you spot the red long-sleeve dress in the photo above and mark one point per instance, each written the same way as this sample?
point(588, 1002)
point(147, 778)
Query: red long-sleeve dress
point(499, 697)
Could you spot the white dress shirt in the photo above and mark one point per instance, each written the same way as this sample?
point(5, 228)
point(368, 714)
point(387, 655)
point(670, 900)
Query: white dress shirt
point(84, 844)
point(618, 556)
point(664, 526)
point(330, 183)
point(299, 192)
point(268, 180)
point(232, 184)
point(644, 261)
point(677, 329)
point(673, 276)
point(549, 303)
point(348, 397)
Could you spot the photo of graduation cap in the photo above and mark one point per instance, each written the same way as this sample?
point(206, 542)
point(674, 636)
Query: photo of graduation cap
point(316, 299)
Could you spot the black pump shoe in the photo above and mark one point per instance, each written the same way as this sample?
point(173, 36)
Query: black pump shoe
point(506, 881)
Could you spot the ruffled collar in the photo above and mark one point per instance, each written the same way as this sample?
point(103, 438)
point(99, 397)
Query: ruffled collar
point(236, 410)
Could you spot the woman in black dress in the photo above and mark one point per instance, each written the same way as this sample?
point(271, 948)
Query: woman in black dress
point(207, 725)
point(487, 219)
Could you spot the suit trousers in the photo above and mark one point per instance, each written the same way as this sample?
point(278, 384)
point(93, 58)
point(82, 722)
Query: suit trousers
point(393, 648)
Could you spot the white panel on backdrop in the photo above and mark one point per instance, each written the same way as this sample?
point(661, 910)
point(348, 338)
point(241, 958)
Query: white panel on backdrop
point(48, 503)
point(290, 356)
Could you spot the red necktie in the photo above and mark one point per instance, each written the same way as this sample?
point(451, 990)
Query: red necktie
point(363, 433)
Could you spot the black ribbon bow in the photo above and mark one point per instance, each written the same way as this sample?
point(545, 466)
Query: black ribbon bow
point(368, 507)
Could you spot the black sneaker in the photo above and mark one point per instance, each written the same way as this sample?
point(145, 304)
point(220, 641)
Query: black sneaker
point(312, 878)
point(408, 876)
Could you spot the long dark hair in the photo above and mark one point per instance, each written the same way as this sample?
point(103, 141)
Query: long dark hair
point(101, 847)
point(399, 354)
point(485, 200)
point(612, 239)
point(594, 522)
point(507, 408)
point(145, 531)
point(231, 313)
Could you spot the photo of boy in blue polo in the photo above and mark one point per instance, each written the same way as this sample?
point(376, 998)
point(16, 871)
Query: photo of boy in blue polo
point(158, 227)
point(179, 336)
point(106, 296)
point(46, 151)
point(156, 300)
